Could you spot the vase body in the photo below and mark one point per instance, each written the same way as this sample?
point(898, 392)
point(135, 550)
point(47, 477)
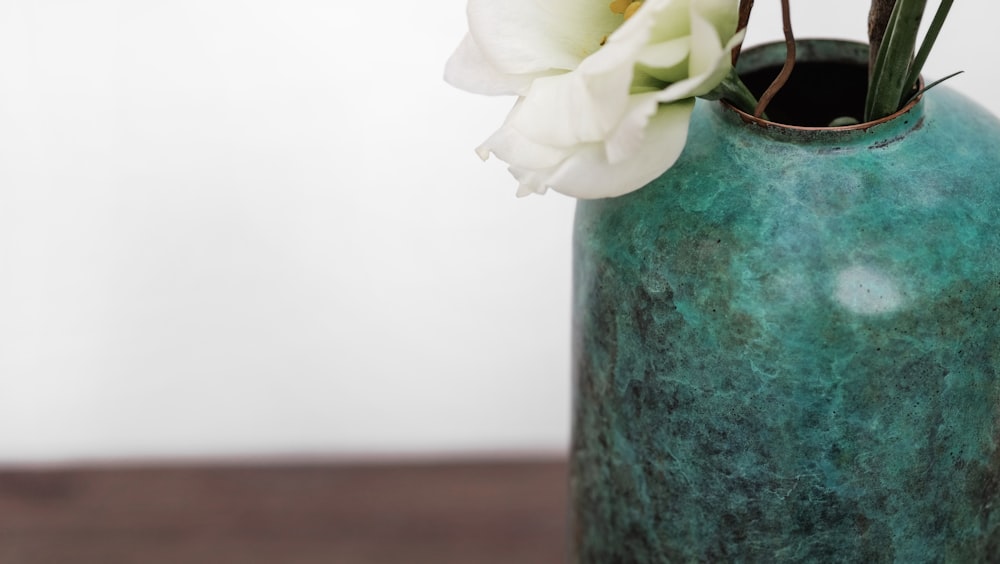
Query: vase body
point(787, 347)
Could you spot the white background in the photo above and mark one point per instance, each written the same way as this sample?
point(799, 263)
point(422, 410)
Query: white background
point(258, 228)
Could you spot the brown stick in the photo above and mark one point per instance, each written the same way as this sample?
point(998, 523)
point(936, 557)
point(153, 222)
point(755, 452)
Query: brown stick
point(786, 70)
point(745, 7)
point(878, 20)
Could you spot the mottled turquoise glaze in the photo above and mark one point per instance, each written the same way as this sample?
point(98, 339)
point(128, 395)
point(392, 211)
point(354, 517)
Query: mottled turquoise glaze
point(787, 347)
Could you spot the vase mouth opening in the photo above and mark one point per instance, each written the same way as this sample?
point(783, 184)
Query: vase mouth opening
point(828, 83)
point(864, 126)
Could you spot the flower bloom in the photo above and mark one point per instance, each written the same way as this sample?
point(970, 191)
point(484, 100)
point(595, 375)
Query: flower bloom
point(604, 100)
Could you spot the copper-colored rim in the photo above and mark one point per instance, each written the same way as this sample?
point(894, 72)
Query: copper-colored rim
point(855, 127)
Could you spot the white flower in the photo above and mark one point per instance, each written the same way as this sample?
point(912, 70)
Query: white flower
point(603, 104)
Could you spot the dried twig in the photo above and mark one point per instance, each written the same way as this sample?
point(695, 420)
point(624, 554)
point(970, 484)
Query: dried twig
point(786, 70)
point(745, 7)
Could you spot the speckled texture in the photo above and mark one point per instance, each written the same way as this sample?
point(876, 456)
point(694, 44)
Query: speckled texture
point(789, 351)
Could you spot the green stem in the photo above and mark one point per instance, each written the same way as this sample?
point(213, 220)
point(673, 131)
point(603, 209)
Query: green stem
point(886, 88)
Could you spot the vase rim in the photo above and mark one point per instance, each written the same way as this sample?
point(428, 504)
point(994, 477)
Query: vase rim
point(865, 126)
point(819, 50)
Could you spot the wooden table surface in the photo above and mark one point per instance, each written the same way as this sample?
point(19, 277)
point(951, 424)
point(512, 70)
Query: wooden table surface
point(441, 513)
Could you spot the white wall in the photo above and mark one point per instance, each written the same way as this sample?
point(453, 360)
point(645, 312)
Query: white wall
point(251, 227)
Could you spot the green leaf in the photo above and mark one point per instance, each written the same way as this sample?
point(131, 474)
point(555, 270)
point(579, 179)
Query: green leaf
point(926, 46)
point(892, 64)
point(929, 86)
point(733, 90)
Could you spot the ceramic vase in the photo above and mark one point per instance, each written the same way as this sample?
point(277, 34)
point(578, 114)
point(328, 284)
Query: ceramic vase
point(787, 348)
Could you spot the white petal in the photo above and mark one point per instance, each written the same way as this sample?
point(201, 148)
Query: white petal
point(626, 140)
point(530, 36)
point(512, 146)
point(701, 84)
point(665, 20)
point(563, 110)
point(665, 54)
point(468, 69)
point(706, 45)
point(529, 181)
point(588, 174)
point(588, 104)
point(626, 42)
point(722, 14)
point(593, 121)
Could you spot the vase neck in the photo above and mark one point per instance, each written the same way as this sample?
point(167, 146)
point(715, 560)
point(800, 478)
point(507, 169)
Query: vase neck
point(828, 83)
point(877, 133)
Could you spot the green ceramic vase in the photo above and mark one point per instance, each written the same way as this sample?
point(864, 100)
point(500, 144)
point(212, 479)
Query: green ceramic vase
point(787, 348)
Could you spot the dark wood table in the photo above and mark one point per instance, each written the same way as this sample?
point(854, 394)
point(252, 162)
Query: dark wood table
point(470, 513)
